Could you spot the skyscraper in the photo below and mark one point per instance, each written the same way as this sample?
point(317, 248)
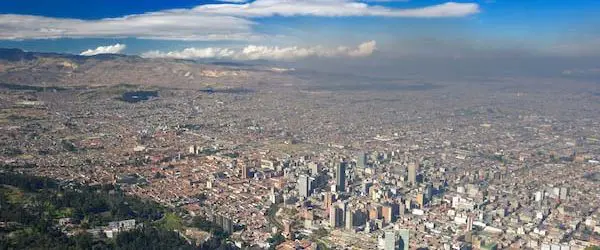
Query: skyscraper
point(389, 240)
point(420, 199)
point(361, 162)
point(227, 224)
point(403, 243)
point(314, 168)
point(328, 200)
point(428, 193)
point(304, 185)
point(563, 193)
point(469, 226)
point(387, 214)
point(412, 173)
point(245, 170)
point(336, 215)
point(340, 177)
point(349, 219)
point(401, 210)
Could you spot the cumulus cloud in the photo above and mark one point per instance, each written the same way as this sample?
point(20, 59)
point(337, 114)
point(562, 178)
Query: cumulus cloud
point(192, 53)
point(255, 52)
point(110, 49)
point(229, 20)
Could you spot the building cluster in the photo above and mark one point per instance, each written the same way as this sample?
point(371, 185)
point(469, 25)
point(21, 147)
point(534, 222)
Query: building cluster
point(497, 168)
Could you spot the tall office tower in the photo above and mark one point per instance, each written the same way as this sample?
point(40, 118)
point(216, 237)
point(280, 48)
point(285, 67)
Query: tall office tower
point(328, 200)
point(404, 235)
point(563, 193)
point(332, 221)
point(412, 173)
point(401, 210)
point(336, 216)
point(340, 177)
point(469, 226)
point(304, 185)
point(227, 225)
point(539, 196)
point(314, 168)
point(361, 161)
point(420, 200)
point(245, 170)
point(389, 240)
point(428, 193)
point(349, 219)
point(387, 213)
point(275, 197)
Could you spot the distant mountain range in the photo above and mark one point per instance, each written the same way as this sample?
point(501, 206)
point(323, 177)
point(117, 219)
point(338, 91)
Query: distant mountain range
point(54, 69)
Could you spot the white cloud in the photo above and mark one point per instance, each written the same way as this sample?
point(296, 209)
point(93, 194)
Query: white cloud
point(264, 8)
point(110, 49)
point(172, 24)
point(255, 52)
point(192, 53)
point(231, 20)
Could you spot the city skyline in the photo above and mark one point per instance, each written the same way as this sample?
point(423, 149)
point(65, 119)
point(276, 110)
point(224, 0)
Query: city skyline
point(300, 124)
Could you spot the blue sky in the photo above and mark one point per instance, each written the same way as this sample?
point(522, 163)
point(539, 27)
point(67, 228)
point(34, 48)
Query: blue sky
point(280, 30)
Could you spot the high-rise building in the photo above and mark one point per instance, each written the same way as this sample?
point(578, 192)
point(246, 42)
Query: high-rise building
point(403, 242)
point(313, 168)
point(340, 177)
point(539, 196)
point(420, 200)
point(328, 200)
point(227, 225)
point(428, 192)
point(336, 216)
point(304, 185)
point(349, 219)
point(361, 162)
point(563, 193)
point(275, 196)
point(412, 173)
point(469, 226)
point(245, 170)
point(374, 212)
point(401, 209)
point(387, 214)
point(389, 240)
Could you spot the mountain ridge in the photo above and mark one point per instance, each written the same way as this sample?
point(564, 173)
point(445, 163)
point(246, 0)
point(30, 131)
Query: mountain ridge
point(59, 69)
